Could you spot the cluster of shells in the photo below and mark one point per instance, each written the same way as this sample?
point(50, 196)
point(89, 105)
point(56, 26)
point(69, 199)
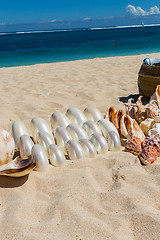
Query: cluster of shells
point(72, 135)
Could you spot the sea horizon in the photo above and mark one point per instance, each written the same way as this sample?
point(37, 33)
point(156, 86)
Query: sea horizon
point(21, 48)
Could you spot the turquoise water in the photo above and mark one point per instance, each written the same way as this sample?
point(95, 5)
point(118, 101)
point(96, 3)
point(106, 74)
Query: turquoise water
point(20, 48)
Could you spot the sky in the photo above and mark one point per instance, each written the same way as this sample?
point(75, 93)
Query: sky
point(76, 12)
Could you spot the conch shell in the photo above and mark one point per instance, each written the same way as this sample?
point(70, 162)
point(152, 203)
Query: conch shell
point(7, 147)
point(146, 125)
point(156, 96)
point(129, 128)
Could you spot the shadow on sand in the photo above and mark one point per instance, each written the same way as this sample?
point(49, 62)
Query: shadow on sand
point(10, 182)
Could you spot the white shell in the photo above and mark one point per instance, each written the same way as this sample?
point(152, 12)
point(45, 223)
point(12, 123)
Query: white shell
point(62, 136)
point(91, 127)
point(76, 131)
point(92, 113)
point(7, 147)
point(155, 130)
point(88, 148)
point(45, 140)
point(106, 126)
point(56, 155)
point(18, 129)
point(40, 158)
point(25, 146)
point(99, 142)
point(59, 119)
point(17, 167)
point(75, 115)
point(38, 124)
point(114, 142)
point(74, 150)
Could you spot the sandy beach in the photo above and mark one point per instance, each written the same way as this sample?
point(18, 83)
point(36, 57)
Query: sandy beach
point(111, 196)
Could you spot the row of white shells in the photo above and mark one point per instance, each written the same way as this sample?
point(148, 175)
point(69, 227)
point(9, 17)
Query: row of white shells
point(73, 135)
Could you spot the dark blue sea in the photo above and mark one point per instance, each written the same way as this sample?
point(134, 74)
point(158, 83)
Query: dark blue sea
point(26, 48)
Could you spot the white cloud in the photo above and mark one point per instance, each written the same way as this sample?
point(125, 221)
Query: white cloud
point(86, 19)
point(138, 11)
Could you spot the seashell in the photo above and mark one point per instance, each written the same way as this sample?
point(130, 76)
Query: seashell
point(18, 129)
point(125, 124)
point(156, 96)
point(155, 130)
point(110, 113)
point(117, 119)
point(75, 115)
point(74, 150)
point(99, 142)
point(17, 167)
point(92, 113)
point(76, 131)
point(7, 147)
point(146, 125)
point(39, 157)
point(114, 143)
point(135, 131)
point(157, 119)
point(89, 149)
point(56, 155)
point(59, 119)
point(45, 140)
point(91, 127)
point(106, 126)
point(38, 124)
point(130, 128)
point(25, 146)
point(62, 136)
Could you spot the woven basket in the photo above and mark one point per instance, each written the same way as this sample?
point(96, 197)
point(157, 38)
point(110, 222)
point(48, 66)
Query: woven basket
point(148, 79)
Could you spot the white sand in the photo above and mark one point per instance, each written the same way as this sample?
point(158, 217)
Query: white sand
point(109, 197)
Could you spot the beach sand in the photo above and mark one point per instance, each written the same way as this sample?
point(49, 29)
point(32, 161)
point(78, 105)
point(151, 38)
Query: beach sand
point(111, 196)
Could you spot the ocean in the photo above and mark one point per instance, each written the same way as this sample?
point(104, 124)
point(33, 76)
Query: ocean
point(27, 48)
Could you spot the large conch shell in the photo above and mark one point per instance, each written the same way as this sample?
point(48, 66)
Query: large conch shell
point(129, 128)
point(156, 96)
point(7, 147)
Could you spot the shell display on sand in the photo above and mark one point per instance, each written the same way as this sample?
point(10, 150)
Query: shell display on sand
point(92, 113)
point(99, 142)
point(59, 119)
point(91, 127)
point(62, 136)
point(38, 124)
point(75, 115)
point(88, 147)
point(7, 147)
point(39, 157)
point(76, 131)
point(18, 130)
point(25, 146)
point(56, 155)
point(74, 150)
